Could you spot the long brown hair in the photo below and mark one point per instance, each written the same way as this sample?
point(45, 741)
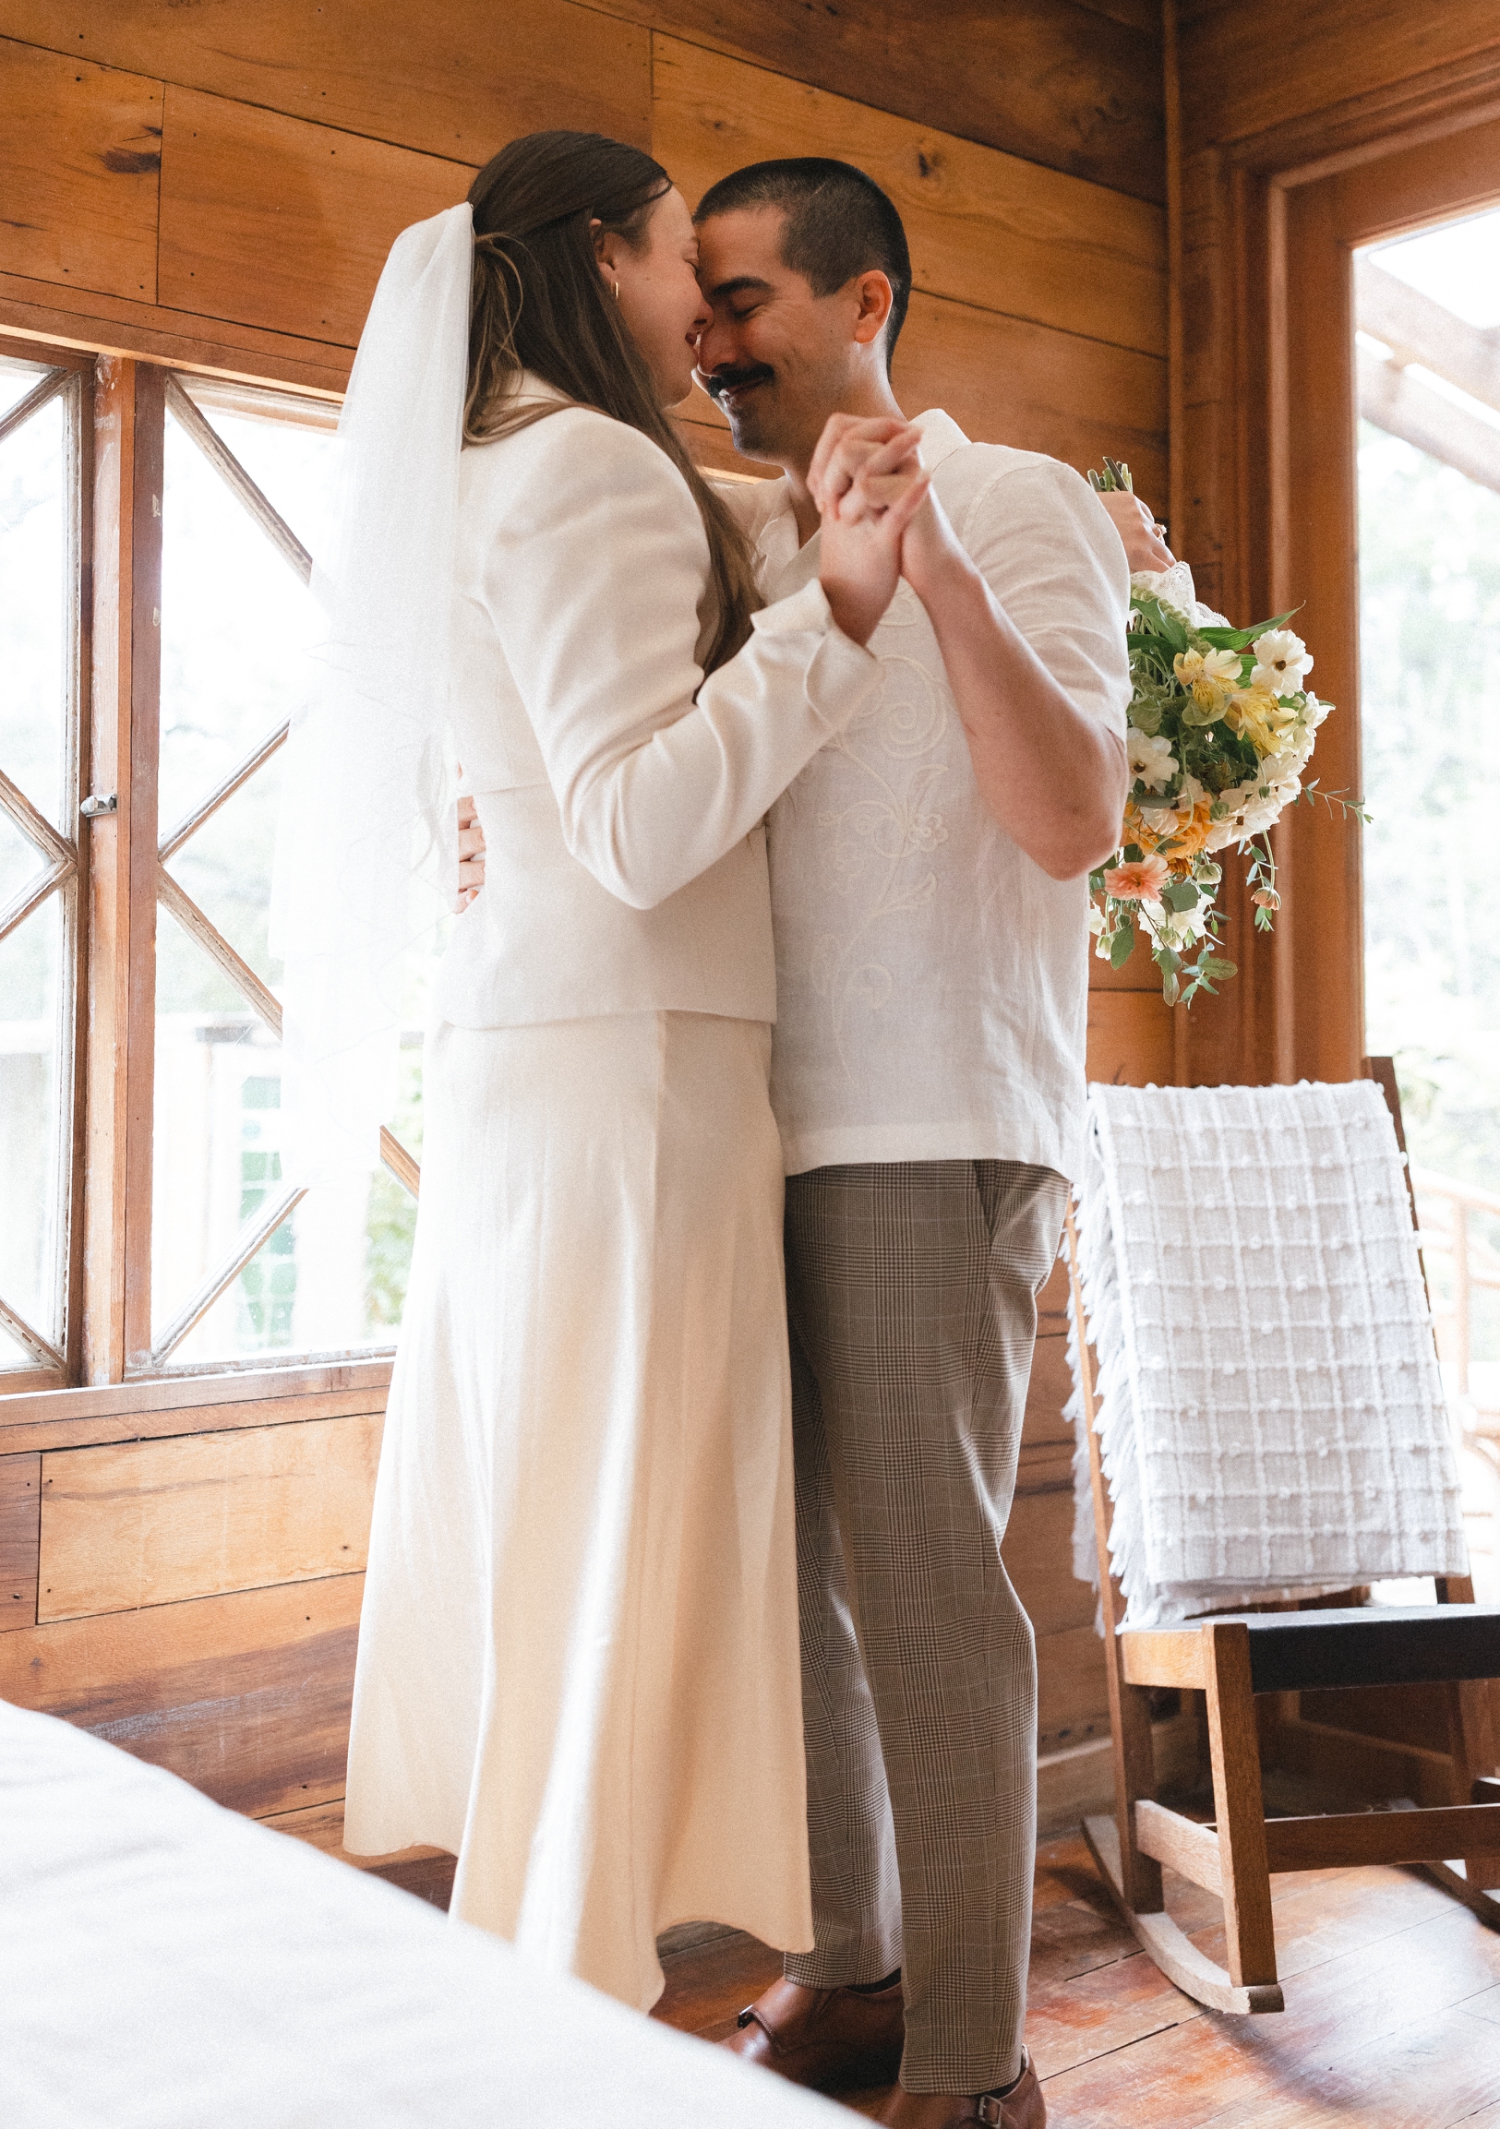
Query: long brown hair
point(537, 303)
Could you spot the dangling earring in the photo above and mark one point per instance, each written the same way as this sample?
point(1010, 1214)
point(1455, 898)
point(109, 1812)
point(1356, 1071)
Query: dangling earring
point(616, 287)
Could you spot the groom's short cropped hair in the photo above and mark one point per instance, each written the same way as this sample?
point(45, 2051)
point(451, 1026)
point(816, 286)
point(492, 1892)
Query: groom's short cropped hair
point(838, 224)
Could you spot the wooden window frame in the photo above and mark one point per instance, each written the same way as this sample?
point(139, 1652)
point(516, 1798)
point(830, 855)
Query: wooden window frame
point(1263, 487)
point(75, 929)
point(115, 623)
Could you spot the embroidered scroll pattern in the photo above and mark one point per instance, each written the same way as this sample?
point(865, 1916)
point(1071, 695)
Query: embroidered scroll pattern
point(885, 841)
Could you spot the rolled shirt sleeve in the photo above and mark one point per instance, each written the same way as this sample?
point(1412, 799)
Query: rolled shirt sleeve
point(1066, 584)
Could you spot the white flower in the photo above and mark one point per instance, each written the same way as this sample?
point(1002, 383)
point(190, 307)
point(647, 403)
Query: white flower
point(1314, 711)
point(1151, 758)
point(1096, 919)
point(1176, 928)
point(1281, 661)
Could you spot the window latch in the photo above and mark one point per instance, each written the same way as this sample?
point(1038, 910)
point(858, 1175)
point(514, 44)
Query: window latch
point(93, 807)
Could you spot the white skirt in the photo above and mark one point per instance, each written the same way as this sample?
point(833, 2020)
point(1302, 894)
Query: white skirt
point(578, 1665)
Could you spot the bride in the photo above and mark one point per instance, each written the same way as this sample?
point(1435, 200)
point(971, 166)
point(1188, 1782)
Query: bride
point(578, 1663)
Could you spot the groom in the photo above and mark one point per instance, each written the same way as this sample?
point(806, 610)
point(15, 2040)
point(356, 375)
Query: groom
point(929, 909)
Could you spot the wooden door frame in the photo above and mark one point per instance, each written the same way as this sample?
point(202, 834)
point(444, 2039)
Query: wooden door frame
point(1263, 488)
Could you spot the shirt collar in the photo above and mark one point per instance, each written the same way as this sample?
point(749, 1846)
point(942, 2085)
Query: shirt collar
point(941, 436)
point(767, 503)
point(765, 511)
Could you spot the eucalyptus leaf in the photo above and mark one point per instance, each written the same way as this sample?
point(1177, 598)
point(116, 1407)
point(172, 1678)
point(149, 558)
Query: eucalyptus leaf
point(1122, 946)
point(1182, 894)
point(1160, 619)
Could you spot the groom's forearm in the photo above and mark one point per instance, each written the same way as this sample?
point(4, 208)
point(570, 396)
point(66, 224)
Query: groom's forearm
point(1049, 774)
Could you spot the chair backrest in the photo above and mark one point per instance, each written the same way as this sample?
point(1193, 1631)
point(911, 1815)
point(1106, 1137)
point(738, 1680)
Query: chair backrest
point(1270, 1413)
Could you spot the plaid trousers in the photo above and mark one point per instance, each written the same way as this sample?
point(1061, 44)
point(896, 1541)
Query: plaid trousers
point(912, 1295)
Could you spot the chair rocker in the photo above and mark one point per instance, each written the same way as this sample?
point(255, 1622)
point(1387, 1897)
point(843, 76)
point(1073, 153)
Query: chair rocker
point(1230, 1658)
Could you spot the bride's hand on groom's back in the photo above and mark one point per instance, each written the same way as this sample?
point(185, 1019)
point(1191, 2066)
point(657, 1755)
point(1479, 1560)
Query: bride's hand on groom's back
point(867, 480)
point(470, 853)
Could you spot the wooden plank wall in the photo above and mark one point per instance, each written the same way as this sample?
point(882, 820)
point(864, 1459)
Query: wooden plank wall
point(216, 186)
point(184, 1578)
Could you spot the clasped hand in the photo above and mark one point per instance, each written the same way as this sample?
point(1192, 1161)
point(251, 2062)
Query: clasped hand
point(871, 490)
point(874, 498)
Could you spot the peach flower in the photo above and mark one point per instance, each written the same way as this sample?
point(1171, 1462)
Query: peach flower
point(1140, 882)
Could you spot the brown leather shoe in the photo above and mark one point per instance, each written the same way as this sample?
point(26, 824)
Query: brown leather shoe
point(1022, 2107)
point(830, 2039)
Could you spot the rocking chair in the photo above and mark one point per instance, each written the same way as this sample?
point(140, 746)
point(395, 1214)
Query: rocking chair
point(1231, 1658)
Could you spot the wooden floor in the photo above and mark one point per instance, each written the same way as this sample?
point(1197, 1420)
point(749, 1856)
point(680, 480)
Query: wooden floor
point(1392, 2018)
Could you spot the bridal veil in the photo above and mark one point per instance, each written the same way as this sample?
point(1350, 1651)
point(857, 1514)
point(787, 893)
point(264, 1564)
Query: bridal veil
point(368, 791)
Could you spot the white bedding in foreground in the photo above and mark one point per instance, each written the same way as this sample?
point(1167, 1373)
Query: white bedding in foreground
point(165, 1964)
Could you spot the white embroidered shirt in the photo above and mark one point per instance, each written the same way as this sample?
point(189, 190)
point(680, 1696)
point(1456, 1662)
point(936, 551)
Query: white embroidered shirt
point(931, 979)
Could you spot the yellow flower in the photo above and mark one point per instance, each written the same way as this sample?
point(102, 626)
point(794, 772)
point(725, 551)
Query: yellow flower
point(1255, 713)
point(1179, 836)
point(1210, 677)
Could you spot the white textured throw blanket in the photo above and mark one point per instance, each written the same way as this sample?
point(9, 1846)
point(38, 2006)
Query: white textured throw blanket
point(1270, 1411)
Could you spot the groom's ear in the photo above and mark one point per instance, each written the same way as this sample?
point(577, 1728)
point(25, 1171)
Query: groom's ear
point(873, 294)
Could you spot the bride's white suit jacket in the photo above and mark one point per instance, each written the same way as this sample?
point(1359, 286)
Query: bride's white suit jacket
point(622, 796)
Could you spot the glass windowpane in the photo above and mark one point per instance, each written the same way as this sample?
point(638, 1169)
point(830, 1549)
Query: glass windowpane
point(35, 712)
point(20, 859)
point(237, 627)
point(33, 1128)
point(238, 634)
point(291, 462)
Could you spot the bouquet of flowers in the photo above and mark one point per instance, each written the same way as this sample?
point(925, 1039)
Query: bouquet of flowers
point(1221, 729)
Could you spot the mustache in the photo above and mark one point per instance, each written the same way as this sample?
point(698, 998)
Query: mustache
point(720, 381)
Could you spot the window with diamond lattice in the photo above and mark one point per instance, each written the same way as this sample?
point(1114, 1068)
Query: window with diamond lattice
point(243, 1263)
point(147, 1225)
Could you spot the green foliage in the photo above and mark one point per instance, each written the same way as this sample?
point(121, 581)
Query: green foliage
point(1116, 474)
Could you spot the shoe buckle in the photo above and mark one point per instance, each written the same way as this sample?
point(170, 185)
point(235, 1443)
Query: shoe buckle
point(745, 2017)
point(990, 2111)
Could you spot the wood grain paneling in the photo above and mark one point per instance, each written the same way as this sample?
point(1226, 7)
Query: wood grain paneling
point(457, 80)
point(52, 311)
point(275, 223)
point(996, 232)
point(1055, 82)
point(1130, 1041)
point(246, 1697)
point(80, 151)
point(201, 1514)
point(1006, 381)
point(20, 1494)
point(1140, 972)
point(270, 1410)
point(1323, 56)
point(1072, 1687)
